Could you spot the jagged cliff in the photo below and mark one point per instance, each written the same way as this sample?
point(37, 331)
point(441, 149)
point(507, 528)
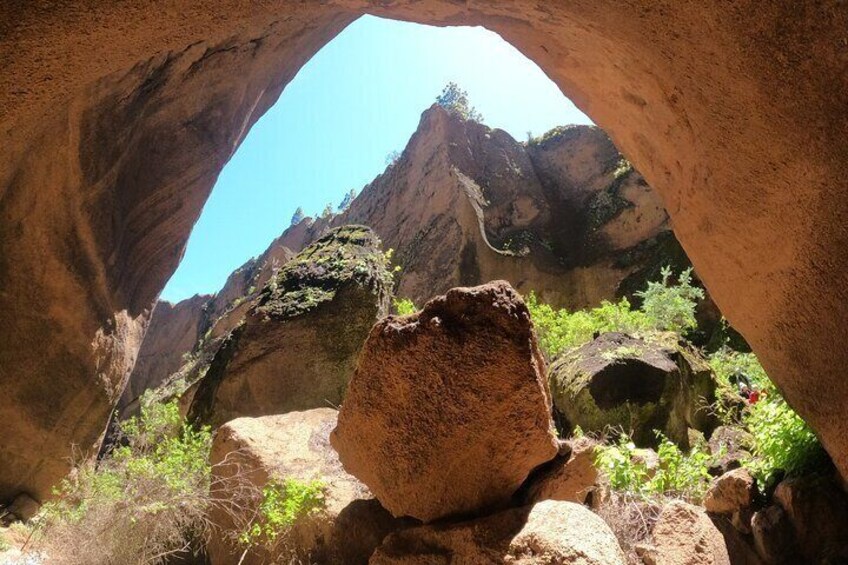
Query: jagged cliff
point(464, 204)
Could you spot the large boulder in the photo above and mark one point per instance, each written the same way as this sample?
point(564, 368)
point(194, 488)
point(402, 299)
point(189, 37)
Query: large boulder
point(618, 381)
point(249, 452)
point(548, 533)
point(685, 535)
point(817, 510)
point(298, 345)
point(448, 411)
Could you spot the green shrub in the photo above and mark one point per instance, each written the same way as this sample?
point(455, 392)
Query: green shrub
point(559, 330)
point(404, 306)
point(678, 474)
point(783, 442)
point(666, 307)
point(283, 505)
point(144, 501)
point(671, 307)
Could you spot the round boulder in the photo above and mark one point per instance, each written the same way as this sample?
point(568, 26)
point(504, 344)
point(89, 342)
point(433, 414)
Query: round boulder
point(546, 533)
point(618, 381)
point(448, 411)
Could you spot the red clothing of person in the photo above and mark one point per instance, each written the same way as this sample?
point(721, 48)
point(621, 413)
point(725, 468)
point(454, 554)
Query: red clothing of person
point(754, 397)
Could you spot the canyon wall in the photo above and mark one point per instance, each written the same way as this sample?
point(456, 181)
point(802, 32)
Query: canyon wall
point(117, 118)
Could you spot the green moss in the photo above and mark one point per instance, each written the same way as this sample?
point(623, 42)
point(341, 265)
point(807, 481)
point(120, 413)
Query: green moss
point(346, 254)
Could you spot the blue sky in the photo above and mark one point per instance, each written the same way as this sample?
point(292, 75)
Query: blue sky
point(357, 100)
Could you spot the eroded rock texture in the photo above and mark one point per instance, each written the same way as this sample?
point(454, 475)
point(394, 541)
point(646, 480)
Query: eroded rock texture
point(448, 411)
point(247, 453)
point(298, 344)
point(116, 119)
point(464, 204)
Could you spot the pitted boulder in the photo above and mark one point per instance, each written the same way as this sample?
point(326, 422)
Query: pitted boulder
point(448, 411)
point(619, 381)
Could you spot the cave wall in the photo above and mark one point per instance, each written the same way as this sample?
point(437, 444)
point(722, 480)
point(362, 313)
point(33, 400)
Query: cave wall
point(117, 118)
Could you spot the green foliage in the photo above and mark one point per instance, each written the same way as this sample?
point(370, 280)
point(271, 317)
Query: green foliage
point(549, 135)
point(328, 211)
point(666, 307)
point(622, 168)
point(404, 306)
point(145, 500)
point(783, 442)
point(392, 158)
point(346, 201)
point(559, 330)
point(678, 474)
point(298, 216)
point(671, 307)
point(455, 100)
point(284, 505)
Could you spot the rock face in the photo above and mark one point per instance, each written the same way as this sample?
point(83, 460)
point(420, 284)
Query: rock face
point(684, 535)
point(173, 332)
point(116, 128)
point(465, 204)
point(623, 382)
point(571, 476)
point(448, 411)
point(295, 446)
point(817, 510)
point(299, 342)
point(549, 532)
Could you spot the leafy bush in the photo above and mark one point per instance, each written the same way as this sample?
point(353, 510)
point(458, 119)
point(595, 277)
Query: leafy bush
point(678, 474)
point(666, 307)
point(404, 306)
point(783, 442)
point(455, 100)
point(672, 307)
point(146, 500)
point(559, 329)
point(284, 505)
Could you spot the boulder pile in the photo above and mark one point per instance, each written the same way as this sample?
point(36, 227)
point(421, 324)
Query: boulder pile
point(448, 411)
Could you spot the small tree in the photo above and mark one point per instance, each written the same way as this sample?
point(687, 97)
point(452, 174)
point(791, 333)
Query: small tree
point(346, 201)
point(328, 211)
point(455, 100)
point(297, 217)
point(392, 158)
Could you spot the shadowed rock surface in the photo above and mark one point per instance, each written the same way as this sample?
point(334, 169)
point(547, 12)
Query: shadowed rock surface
point(298, 344)
point(294, 446)
point(116, 119)
point(627, 383)
point(549, 532)
point(448, 411)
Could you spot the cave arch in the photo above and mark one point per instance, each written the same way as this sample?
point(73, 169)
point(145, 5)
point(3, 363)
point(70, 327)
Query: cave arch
point(117, 119)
